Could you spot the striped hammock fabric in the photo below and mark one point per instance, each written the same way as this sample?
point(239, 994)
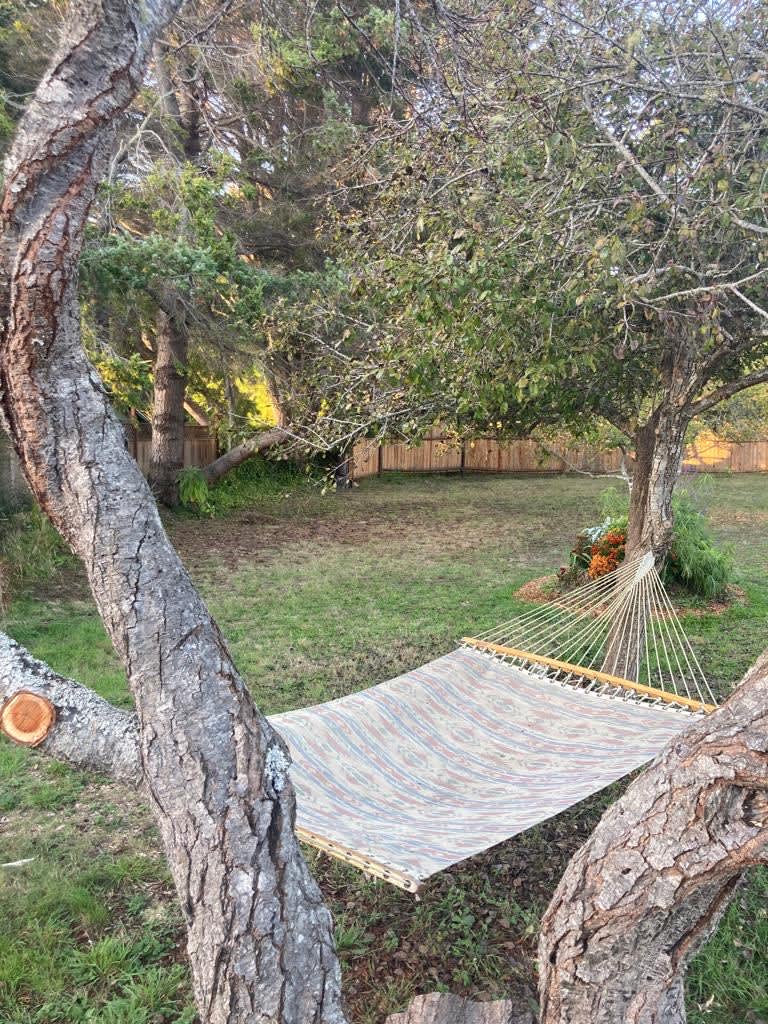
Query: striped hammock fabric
point(418, 773)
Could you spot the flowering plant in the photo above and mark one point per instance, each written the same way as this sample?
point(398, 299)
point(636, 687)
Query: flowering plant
point(599, 549)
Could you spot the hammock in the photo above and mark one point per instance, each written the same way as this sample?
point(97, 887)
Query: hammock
point(408, 777)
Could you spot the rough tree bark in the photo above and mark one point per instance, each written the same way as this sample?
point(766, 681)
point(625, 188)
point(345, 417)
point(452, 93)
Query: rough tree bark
point(442, 1008)
point(170, 383)
point(646, 891)
point(259, 938)
point(659, 447)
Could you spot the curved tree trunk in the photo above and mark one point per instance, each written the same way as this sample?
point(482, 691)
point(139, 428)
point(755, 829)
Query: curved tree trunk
point(646, 891)
point(167, 452)
point(259, 938)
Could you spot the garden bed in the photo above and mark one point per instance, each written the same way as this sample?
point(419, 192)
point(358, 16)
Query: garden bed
point(545, 590)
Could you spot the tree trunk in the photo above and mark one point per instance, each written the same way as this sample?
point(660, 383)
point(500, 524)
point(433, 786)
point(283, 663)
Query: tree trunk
point(230, 396)
point(260, 940)
point(167, 453)
point(647, 890)
point(341, 475)
point(659, 446)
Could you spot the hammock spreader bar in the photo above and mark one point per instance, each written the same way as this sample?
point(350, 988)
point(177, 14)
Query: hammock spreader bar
point(358, 860)
point(589, 673)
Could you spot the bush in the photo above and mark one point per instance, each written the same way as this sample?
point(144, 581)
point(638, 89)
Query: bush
point(256, 479)
point(597, 551)
point(193, 490)
point(694, 563)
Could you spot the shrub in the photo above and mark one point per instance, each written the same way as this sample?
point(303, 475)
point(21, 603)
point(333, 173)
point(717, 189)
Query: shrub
point(193, 489)
point(607, 552)
point(694, 563)
point(255, 480)
point(597, 551)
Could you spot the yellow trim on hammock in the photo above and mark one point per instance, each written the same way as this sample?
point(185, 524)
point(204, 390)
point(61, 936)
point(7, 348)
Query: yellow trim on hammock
point(358, 860)
point(589, 673)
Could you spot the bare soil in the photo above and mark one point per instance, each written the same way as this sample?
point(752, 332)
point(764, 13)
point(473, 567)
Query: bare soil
point(544, 589)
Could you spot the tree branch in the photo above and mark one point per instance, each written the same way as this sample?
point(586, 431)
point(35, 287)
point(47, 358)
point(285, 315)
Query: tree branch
point(727, 390)
point(623, 474)
point(88, 731)
point(748, 225)
point(215, 470)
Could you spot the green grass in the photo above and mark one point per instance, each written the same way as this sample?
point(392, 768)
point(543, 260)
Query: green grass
point(319, 596)
point(29, 783)
point(728, 982)
point(80, 940)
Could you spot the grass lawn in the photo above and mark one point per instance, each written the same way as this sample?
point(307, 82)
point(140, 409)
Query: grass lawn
point(319, 596)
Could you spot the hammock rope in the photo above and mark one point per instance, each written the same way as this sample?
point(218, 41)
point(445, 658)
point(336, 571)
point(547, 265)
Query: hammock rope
point(620, 631)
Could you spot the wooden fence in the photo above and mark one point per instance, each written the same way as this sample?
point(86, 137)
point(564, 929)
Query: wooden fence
point(438, 454)
point(199, 446)
point(199, 450)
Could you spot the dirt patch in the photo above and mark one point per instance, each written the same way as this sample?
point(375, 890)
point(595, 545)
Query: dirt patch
point(733, 596)
point(544, 589)
point(114, 813)
point(256, 539)
point(67, 584)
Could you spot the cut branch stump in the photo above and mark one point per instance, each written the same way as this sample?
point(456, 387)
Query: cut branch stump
point(27, 718)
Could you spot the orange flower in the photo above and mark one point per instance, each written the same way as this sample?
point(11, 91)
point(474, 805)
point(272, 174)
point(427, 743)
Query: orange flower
point(600, 565)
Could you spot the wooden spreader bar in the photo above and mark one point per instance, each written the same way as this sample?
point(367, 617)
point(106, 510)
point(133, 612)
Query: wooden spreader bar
point(358, 860)
point(590, 673)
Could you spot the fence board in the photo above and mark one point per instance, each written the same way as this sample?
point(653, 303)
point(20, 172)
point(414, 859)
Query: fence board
point(199, 446)
point(365, 460)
